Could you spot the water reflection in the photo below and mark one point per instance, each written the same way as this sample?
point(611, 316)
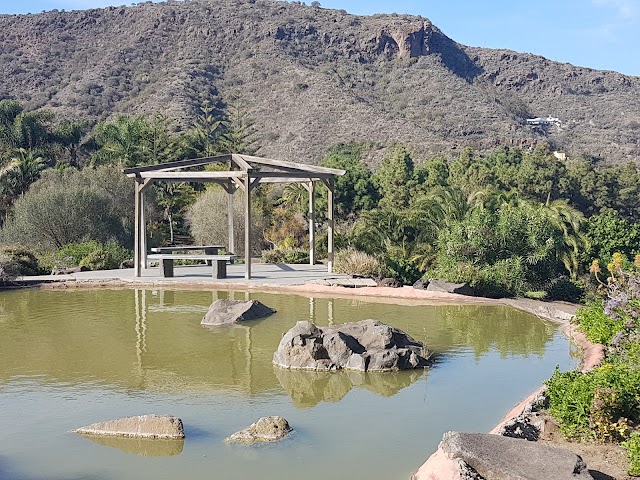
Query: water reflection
point(152, 340)
point(144, 447)
point(309, 388)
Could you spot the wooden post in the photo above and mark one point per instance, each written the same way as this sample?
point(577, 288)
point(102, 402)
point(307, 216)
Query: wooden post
point(330, 224)
point(136, 230)
point(143, 231)
point(247, 227)
point(312, 224)
point(232, 241)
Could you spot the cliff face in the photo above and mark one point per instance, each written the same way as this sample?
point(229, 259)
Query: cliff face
point(311, 77)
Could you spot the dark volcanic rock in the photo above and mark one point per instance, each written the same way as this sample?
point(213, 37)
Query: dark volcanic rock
point(421, 285)
point(448, 287)
point(226, 312)
point(367, 345)
point(389, 282)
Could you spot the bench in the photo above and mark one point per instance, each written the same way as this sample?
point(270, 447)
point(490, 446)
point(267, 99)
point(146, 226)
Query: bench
point(218, 262)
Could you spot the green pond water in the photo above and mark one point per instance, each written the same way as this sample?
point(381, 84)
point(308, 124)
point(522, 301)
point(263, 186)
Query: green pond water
point(70, 358)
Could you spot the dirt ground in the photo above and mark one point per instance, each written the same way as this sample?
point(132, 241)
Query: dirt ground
point(605, 461)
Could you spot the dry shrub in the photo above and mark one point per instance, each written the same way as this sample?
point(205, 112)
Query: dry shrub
point(354, 262)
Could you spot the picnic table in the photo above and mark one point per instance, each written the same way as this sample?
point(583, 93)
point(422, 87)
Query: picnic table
point(167, 255)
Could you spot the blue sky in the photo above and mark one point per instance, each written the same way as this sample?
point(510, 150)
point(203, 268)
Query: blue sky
point(603, 34)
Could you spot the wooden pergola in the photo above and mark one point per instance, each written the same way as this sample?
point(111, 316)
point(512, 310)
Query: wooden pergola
point(244, 173)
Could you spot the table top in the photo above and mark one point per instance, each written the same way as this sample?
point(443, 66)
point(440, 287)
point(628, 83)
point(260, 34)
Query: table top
point(186, 248)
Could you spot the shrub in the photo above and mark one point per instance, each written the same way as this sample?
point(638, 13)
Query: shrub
point(25, 261)
point(596, 325)
point(354, 262)
point(91, 254)
point(9, 269)
point(596, 404)
point(291, 256)
point(398, 265)
point(207, 219)
point(633, 451)
point(565, 289)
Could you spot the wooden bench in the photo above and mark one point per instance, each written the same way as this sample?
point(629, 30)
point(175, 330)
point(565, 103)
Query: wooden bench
point(218, 262)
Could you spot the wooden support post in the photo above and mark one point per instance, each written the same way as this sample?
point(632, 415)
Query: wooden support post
point(330, 224)
point(232, 241)
point(143, 231)
point(312, 224)
point(247, 227)
point(136, 229)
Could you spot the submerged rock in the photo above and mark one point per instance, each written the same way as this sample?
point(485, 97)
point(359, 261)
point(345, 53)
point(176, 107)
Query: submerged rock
point(367, 345)
point(267, 429)
point(143, 426)
point(144, 447)
point(227, 312)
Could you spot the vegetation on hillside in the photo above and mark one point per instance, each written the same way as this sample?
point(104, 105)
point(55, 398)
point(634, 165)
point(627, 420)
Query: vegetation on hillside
point(508, 222)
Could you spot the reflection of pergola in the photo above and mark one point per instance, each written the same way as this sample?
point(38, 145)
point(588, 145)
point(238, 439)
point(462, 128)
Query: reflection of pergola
point(245, 173)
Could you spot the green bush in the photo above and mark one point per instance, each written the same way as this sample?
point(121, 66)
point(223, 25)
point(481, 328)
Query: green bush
point(565, 289)
point(633, 451)
point(397, 265)
point(91, 254)
point(9, 269)
point(505, 278)
point(25, 261)
point(354, 262)
point(614, 387)
point(291, 256)
point(596, 325)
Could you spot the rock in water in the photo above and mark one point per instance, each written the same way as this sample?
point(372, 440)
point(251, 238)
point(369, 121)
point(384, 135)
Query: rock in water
point(267, 429)
point(143, 426)
point(227, 312)
point(367, 345)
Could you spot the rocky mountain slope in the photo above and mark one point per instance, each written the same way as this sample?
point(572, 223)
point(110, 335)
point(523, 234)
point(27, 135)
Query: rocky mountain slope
point(311, 77)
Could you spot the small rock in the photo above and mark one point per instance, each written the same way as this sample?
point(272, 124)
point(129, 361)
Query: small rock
point(226, 312)
point(127, 263)
point(67, 271)
point(143, 426)
point(389, 282)
point(421, 285)
point(267, 429)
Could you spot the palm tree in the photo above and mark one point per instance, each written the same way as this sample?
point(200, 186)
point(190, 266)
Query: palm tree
point(123, 141)
point(21, 172)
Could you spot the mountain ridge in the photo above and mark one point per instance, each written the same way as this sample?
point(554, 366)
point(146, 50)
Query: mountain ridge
point(310, 77)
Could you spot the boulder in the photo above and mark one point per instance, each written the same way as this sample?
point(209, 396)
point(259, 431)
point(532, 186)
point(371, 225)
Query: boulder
point(267, 429)
point(128, 263)
point(143, 426)
point(448, 287)
point(486, 456)
point(367, 345)
point(389, 282)
point(421, 284)
point(227, 312)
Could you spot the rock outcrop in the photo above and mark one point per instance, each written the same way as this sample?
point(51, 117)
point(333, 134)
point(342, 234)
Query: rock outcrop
point(267, 429)
point(367, 345)
point(462, 456)
point(448, 287)
point(143, 426)
point(227, 312)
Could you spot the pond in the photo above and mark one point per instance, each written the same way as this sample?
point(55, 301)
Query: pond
point(74, 357)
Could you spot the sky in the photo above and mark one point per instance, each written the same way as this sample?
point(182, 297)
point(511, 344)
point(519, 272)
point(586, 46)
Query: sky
point(601, 34)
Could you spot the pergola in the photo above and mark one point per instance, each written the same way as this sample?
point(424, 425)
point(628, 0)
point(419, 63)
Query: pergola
point(244, 172)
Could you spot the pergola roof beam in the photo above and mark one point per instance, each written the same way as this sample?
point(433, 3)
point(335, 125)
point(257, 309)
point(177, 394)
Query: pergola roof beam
point(192, 176)
point(292, 165)
point(194, 162)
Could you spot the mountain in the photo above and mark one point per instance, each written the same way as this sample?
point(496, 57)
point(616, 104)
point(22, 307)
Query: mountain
point(311, 77)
